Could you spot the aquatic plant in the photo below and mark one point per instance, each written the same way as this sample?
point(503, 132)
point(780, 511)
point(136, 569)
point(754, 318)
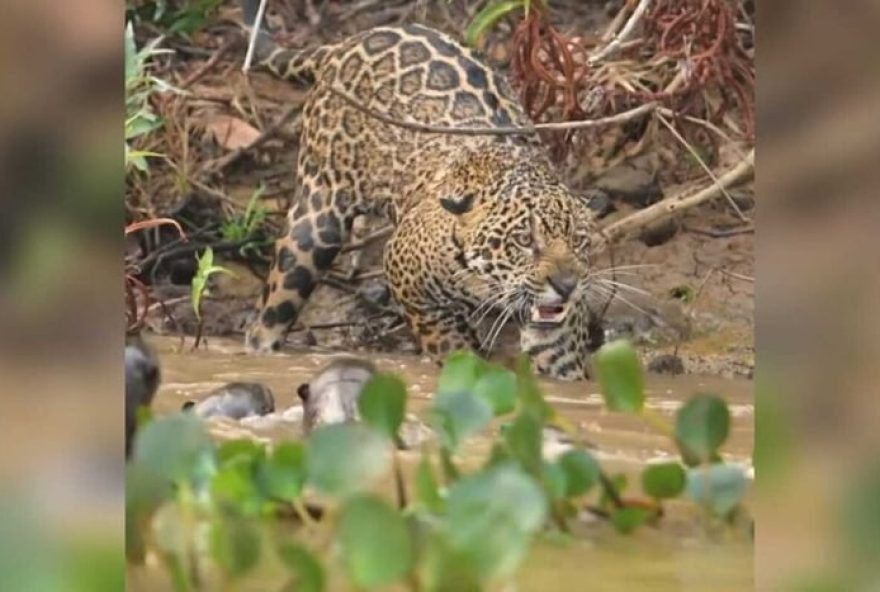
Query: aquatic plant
point(218, 511)
point(199, 285)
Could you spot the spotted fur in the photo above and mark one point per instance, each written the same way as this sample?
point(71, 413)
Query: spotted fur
point(481, 222)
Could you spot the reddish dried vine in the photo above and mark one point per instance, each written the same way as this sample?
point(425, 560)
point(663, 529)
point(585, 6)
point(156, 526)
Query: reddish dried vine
point(135, 315)
point(546, 68)
point(695, 41)
point(701, 36)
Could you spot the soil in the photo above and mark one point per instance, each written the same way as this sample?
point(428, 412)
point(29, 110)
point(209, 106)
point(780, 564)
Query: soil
point(696, 312)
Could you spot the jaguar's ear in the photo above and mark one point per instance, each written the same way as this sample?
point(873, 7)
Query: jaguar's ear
point(458, 205)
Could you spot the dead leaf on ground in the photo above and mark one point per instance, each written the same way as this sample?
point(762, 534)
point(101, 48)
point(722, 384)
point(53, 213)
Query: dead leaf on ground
point(231, 132)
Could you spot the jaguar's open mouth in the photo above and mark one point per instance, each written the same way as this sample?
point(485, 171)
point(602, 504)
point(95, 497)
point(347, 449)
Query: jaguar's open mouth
point(548, 312)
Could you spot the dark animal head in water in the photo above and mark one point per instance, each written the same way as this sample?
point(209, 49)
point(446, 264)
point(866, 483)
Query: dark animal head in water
point(332, 396)
point(141, 381)
point(234, 400)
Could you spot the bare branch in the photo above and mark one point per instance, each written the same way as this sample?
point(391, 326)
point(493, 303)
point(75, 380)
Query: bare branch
point(671, 205)
point(702, 164)
point(497, 131)
point(255, 31)
point(373, 236)
point(627, 30)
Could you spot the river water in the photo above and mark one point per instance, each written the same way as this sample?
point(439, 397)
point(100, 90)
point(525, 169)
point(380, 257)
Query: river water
point(681, 554)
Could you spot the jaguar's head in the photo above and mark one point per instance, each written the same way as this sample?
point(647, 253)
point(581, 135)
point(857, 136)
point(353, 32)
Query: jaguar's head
point(524, 242)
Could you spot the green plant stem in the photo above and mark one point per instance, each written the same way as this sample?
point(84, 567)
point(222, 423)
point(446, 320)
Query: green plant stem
point(559, 517)
point(402, 498)
point(187, 500)
point(450, 471)
point(610, 490)
point(658, 423)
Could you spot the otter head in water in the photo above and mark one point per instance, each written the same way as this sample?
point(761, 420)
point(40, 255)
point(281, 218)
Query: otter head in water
point(332, 396)
point(235, 401)
point(141, 381)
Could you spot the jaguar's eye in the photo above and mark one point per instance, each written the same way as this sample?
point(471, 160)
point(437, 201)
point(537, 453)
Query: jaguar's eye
point(523, 239)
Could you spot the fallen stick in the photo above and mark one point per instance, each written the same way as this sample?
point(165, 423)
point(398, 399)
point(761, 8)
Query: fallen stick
point(509, 130)
point(672, 205)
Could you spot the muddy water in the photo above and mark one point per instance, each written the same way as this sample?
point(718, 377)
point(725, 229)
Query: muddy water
point(679, 555)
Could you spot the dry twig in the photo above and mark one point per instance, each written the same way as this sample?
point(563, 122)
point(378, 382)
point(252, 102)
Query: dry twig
point(623, 35)
point(498, 131)
point(671, 205)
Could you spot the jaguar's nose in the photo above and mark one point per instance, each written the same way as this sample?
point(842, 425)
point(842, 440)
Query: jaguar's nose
point(563, 283)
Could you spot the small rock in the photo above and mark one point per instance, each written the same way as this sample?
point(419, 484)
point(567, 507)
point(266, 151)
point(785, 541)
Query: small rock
point(633, 186)
point(599, 202)
point(744, 199)
point(657, 234)
point(667, 364)
point(374, 294)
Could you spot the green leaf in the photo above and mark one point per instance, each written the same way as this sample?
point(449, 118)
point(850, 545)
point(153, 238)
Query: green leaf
point(498, 388)
point(235, 544)
point(554, 480)
point(176, 448)
point(142, 124)
point(456, 415)
point(524, 440)
point(581, 472)
point(626, 520)
point(443, 568)
point(701, 427)
point(346, 458)
point(234, 484)
point(235, 449)
point(528, 392)
point(620, 377)
point(145, 491)
point(205, 270)
point(283, 474)
point(382, 403)
point(132, 63)
point(377, 547)
point(487, 17)
point(492, 517)
point(663, 481)
point(498, 455)
point(460, 372)
point(308, 571)
point(718, 487)
point(427, 488)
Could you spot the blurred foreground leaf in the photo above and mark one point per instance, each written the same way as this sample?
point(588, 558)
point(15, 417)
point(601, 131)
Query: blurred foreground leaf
point(718, 487)
point(382, 403)
point(620, 377)
point(662, 481)
point(345, 458)
point(581, 472)
point(492, 517)
point(701, 427)
point(308, 573)
point(457, 415)
point(177, 448)
point(376, 544)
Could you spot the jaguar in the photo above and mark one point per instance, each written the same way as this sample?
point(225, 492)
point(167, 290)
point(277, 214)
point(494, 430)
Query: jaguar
point(483, 224)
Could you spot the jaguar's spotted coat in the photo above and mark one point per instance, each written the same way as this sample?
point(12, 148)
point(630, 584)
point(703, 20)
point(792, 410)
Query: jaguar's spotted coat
point(482, 222)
